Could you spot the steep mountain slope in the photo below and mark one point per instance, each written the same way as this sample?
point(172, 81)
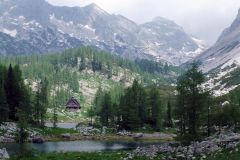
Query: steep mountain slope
point(50, 28)
point(226, 51)
point(222, 60)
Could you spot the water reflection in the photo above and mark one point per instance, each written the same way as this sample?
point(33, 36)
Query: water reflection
point(77, 146)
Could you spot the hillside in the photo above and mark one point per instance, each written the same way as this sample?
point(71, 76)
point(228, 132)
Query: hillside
point(80, 72)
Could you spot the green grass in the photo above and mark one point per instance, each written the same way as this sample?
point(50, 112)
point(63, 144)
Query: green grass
point(117, 155)
point(225, 155)
point(81, 156)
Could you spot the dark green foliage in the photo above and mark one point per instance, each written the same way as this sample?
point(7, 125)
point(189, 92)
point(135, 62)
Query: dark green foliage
point(169, 115)
point(3, 98)
point(13, 94)
point(106, 112)
point(96, 64)
point(133, 107)
point(156, 109)
point(55, 116)
point(41, 103)
point(226, 111)
point(156, 67)
point(83, 63)
point(129, 109)
point(98, 100)
point(109, 70)
point(190, 100)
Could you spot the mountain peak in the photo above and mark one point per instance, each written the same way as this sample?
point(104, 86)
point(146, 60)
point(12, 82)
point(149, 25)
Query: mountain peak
point(162, 20)
point(158, 18)
point(238, 15)
point(95, 7)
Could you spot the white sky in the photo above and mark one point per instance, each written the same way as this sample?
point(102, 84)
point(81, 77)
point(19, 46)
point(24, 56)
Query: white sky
point(205, 19)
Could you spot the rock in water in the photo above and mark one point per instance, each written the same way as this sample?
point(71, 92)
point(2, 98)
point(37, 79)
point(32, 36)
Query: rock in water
point(37, 140)
point(66, 136)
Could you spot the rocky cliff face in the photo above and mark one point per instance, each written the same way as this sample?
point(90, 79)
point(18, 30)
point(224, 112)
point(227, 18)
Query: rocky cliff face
point(48, 28)
point(222, 60)
point(226, 51)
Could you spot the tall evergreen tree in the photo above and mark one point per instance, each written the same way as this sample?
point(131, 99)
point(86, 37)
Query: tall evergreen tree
point(169, 115)
point(156, 109)
point(3, 99)
point(13, 90)
point(133, 107)
point(106, 113)
point(44, 101)
point(83, 63)
point(189, 86)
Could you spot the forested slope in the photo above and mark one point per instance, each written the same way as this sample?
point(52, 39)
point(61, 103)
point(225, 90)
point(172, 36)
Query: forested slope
point(80, 72)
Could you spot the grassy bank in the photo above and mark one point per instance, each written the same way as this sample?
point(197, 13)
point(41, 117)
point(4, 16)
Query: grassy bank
point(82, 156)
point(118, 155)
point(55, 134)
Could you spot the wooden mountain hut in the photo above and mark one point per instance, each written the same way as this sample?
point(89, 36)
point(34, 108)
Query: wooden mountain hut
point(73, 104)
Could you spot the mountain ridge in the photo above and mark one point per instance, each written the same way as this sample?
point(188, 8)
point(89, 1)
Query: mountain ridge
point(221, 62)
point(70, 27)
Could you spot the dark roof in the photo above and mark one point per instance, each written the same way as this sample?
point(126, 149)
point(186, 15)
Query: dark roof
point(74, 101)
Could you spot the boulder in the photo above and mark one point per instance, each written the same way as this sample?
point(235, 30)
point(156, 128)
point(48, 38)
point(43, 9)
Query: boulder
point(66, 136)
point(38, 140)
point(4, 139)
point(137, 135)
point(4, 154)
point(124, 133)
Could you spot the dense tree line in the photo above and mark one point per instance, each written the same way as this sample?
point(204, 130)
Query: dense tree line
point(18, 102)
point(192, 109)
point(134, 108)
point(64, 70)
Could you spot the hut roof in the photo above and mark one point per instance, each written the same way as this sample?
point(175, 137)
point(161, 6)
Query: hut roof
point(72, 102)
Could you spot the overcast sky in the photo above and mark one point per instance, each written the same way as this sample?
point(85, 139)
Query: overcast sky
point(203, 18)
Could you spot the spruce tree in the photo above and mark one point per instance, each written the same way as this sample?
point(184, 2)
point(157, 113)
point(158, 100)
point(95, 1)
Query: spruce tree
point(156, 109)
point(44, 101)
point(189, 89)
point(3, 99)
point(13, 90)
point(169, 115)
point(106, 113)
point(133, 107)
point(83, 63)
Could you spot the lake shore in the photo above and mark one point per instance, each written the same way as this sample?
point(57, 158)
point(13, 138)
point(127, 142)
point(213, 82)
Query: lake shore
point(75, 137)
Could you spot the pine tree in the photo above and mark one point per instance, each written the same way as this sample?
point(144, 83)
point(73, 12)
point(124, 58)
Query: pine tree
point(189, 89)
point(133, 107)
point(98, 100)
point(109, 70)
point(156, 109)
point(37, 107)
point(3, 99)
point(83, 63)
point(106, 113)
point(55, 116)
point(169, 115)
point(44, 101)
point(13, 90)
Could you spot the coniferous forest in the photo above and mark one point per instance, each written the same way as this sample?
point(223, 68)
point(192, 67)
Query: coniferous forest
point(119, 80)
point(128, 97)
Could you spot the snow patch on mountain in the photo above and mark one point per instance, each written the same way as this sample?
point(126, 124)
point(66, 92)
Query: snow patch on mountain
point(49, 28)
point(12, 33)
